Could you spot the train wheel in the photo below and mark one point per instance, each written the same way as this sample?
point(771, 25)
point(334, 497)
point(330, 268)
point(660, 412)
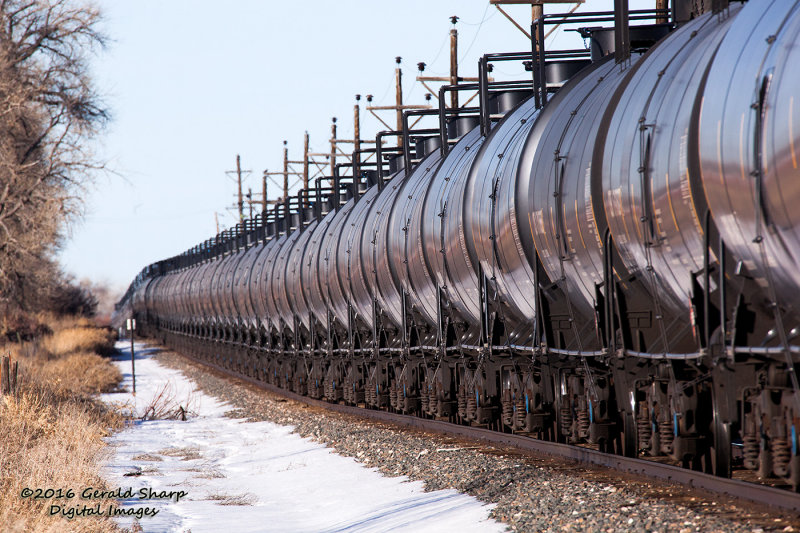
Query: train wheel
point(721, 450)
point(629, 434)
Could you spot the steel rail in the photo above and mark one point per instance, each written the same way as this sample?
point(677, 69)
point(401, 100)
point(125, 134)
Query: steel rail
point(752, 492)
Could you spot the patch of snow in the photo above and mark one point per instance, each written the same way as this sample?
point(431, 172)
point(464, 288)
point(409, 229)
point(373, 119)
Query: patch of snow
point(212, 472)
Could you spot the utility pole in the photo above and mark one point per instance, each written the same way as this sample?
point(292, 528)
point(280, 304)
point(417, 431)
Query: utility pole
point(662, 4)
point(264, 192)
point(454, 62)
point(305, 169)
point(537, 7)
point(250, 201)
point(357, 135)
point(239, 182)
point(216, 221)
point(537, 10)
point(398, 77)
point(333, 145)
point(285, 171)
point(453, 78)
point(238, 177)
point(398, 107)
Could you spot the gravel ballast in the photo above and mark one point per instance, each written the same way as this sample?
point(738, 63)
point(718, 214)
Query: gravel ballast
point(529, 493)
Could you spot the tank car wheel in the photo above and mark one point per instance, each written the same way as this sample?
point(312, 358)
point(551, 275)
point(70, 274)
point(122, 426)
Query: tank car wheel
point(558, 436)
point(628, 436)
point(720, 453)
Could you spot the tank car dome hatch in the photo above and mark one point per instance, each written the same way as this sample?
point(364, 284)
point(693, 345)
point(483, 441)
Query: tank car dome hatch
point(501, 102)
point(558, 72)
point(307, 214)
point(601, 40)
point(396, 163)
point(426, 145)
point(346, 193)
point(459, 126)
point(369, 177)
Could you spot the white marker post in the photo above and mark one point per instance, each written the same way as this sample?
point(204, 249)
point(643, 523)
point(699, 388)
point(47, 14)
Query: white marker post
point(131, 328)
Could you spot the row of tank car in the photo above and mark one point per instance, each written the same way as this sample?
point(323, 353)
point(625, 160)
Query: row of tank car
point(606, 255)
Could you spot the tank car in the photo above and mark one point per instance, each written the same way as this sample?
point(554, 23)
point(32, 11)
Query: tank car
point(604, 253)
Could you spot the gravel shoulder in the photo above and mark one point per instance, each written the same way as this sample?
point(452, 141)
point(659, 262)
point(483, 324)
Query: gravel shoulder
point(531, 493)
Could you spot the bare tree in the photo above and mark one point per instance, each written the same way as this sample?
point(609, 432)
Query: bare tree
point(49, 111)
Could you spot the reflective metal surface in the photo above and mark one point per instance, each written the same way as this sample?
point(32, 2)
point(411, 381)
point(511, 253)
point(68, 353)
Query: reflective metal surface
point(348, 259)
point(405, 239)
point(379, 266)
point(258, 283)
point(745, 115)
point(268, 279)
point(244, 304)
point(445, 241)
point(561, 209)
point(294, 282)
point(329, 277)
point(312, 289)
point(493, 221)
point(279, 281)
point(651, 208)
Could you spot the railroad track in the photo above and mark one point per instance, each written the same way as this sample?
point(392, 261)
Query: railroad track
point(760, 494)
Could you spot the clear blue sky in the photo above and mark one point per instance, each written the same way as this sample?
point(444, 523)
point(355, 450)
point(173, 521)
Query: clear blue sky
point(193, 83)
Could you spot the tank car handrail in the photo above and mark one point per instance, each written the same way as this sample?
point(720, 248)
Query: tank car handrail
point(765, 350)
point(601, 16)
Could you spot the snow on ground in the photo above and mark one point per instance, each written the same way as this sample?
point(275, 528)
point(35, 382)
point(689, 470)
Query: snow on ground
point(213, 472)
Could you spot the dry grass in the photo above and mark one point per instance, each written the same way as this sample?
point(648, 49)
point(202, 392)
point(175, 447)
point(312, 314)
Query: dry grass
point(79, 338)
point(51, 434)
